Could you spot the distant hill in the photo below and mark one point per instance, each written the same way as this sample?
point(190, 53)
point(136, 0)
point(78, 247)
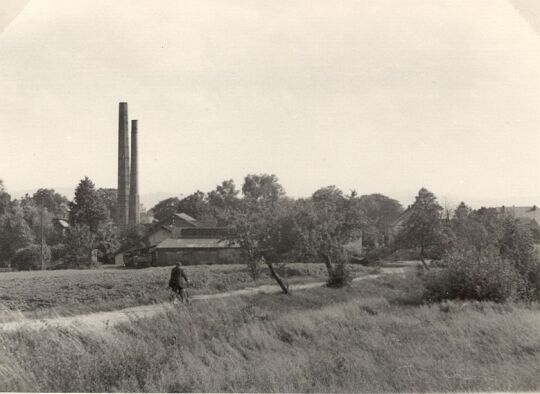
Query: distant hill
point(149, 200)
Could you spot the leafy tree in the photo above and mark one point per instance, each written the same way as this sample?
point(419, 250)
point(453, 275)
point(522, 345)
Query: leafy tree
point(462, 211)
point(87, 208)
point(423, 228)
point(517, 245)
point(327, 222)
point(54, 202)
point(223, 199)
point(489, 218)
point(380, 212)
point(262, 227)
point(110, 199)
point(262, 187)
point(5, 198)
point(165, 208)
point(107, 242)
point(39, 218)
point(14, 233)
point(195, 205)
point(466, 232)
point(79, 242)
point(535, 230)
point(254, 229)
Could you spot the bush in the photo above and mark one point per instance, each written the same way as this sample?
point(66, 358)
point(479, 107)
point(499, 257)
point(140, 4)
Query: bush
point(472, 275)
point(58, 252)
point(340, 274)
point(29, 258)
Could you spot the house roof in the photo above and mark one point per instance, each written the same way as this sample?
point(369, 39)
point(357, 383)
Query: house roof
point(522, 212)
point(402, 218)
point(62, 222)
point(157, 228)
point(185, 217)
point(195, 243)
point(206, 223)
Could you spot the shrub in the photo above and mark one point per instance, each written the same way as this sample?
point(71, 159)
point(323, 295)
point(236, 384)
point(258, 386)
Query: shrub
point(29, 258)
point(482, 276)
point(58, 251)
point(339, 275)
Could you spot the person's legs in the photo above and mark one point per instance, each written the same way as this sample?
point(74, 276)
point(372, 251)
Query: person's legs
point(186, 296)
point(182, 293)
point(176, 292)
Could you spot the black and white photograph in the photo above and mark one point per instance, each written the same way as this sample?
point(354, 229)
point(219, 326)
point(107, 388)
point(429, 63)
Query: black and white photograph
point(269, 196)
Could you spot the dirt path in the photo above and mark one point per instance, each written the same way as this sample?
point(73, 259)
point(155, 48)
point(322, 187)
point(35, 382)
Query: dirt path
point(100, 321)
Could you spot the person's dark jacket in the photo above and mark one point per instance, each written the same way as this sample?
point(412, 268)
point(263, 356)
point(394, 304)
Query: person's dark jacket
point(178, 277)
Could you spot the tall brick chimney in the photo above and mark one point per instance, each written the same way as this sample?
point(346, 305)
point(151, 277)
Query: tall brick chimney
point(123, 167)
point(134, 214)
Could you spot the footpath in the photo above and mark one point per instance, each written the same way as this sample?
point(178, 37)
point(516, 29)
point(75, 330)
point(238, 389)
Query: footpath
point(100, 321)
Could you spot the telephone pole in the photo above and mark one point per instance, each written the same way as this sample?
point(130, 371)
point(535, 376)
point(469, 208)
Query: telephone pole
point(41, 228)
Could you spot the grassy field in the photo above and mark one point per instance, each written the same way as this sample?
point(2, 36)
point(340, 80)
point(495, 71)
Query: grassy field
point(65, 292)
point(374, 336)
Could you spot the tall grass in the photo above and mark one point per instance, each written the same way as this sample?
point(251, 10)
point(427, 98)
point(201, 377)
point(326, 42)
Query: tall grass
point(365, 338)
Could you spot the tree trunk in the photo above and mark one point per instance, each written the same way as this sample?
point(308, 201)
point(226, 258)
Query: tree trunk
point(328, 263)
point(284, 286)
point(426, 267)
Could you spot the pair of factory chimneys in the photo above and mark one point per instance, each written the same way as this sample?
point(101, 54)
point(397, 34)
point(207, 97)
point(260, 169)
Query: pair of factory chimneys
point(128, 172)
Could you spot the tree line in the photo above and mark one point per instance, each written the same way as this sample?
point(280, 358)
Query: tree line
point(29, 238)
point(479, 254)
point(482, 254)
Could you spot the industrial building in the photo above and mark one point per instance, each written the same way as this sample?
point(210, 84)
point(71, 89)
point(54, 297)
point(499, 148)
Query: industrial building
point(178, 237)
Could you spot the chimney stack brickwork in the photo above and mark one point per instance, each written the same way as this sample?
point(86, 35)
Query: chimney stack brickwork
point(134, 214)
point(123, 167)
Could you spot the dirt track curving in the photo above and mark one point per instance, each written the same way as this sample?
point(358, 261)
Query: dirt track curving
point(100, 321)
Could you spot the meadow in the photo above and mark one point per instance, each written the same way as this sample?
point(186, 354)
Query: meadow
point(38, 294)
point(374, 336)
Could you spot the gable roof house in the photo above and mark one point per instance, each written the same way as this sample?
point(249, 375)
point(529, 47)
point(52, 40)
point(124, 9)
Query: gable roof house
point(398, 224)
point(529, 216)
point(522, 213)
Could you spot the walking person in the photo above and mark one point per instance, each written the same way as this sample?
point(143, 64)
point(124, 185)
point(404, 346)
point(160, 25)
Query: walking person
point(179, 281)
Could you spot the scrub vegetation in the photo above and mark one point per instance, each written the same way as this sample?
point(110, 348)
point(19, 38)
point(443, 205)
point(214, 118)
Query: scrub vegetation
point(374, 336)
point(466, 320)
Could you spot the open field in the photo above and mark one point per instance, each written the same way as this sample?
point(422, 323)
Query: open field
point(374, 336)
point(100, 321)
point(66, 292)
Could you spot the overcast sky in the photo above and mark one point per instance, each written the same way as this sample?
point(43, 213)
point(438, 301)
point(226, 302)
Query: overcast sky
point(376, 96)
